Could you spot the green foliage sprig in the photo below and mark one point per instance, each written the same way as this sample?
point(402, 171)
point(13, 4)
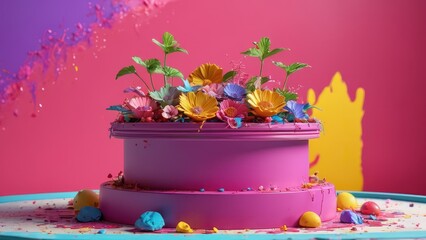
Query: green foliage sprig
point(262, 51)
point(153, 65)
point(169, 45)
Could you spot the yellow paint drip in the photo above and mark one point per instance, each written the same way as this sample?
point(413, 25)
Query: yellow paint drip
point(339, 148)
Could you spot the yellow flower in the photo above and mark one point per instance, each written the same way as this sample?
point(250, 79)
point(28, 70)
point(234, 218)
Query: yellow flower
point(206, 74)
point(198, 106)
point(266, 103)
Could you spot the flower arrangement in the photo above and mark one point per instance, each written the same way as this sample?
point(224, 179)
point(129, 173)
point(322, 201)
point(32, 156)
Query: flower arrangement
point(209, 95)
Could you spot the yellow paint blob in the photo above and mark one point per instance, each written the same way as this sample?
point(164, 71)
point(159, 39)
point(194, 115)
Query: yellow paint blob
point(183, 227)
point(346, 200)
point(85, 198)
point(337, 153)
point(310, 220)
point(215, 230)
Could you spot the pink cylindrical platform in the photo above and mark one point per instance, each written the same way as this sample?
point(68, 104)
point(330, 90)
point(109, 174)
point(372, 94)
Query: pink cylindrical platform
point(181, 156)
point(178, 168)
point(224, 210)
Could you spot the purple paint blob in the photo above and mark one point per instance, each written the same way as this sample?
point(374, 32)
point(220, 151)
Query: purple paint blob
point(349, 216)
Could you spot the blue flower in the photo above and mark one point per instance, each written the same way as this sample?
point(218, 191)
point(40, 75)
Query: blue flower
point(277, 119)
point(234, 92)
point(187, 87)
point(235, 122)
point(298, 110)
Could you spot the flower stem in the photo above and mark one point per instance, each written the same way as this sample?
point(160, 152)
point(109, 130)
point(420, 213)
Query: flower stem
point(143, 82)
point(164, 65)
point(152, 83)
point(285, 82)
point(261, 68)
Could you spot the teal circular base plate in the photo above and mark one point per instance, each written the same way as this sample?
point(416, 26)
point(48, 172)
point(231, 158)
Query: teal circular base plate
point(49, 216)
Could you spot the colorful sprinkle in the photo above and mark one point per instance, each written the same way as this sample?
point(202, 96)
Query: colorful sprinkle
point(369, 208)
point(89, 214)
point(150, 221)
point(183, 227)
point(310, 220)
point(346, 200)
point(348, 216)
point(85, 198)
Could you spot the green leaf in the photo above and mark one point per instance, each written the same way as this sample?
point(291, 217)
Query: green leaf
point(264, 44)
point(169, 40)
point(166, 95)
point(229, 75)
point(150, 64)
point(275, 51)
point(287, 94)
point(169, 72)
point(252, 52)
point(159, 95)
point(126, 70)
point(119, 108)
point(158, 43)
point(294, 67)
point(262, 49)
point(174, 49)
point(169, 45)
point(280, 65)
point(251, 84)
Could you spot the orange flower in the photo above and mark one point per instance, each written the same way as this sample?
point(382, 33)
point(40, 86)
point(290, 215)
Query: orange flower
point(198, 106)
point(206, 74)
point(266, 103)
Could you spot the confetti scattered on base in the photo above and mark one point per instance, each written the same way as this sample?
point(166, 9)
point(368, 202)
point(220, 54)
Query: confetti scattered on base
point(56, 217)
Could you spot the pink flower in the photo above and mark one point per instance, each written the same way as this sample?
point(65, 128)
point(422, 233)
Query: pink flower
point(230, 109)
point(169, 111)
point(142, 107)
point(214, 90)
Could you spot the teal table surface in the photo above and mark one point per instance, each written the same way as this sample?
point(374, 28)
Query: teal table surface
point(50, 216)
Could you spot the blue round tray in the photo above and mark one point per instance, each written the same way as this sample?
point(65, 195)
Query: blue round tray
point(420, 233)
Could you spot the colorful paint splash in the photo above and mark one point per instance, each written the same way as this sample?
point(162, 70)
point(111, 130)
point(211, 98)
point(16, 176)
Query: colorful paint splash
point(52, 56)
point(336, 155)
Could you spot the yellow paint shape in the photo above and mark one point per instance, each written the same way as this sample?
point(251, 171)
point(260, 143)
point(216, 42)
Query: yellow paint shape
point(339, 148)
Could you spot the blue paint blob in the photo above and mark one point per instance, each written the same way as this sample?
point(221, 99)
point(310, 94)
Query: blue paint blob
point(221, 190)
point(102, 231)
point(202, 190)
point(347, 216)
point(150, 221)
point(372, 217)
point(89, 214)
point(249, 189)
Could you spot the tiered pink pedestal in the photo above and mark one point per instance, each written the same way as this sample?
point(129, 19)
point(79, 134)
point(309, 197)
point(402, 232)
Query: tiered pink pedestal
point(167, 164)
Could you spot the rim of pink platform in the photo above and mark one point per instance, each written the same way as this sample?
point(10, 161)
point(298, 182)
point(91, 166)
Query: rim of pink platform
point(225, 210)
point(216, 130)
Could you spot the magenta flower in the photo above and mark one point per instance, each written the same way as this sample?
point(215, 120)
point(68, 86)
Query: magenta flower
point(214, 90)
point(169, 111)
point(142, 107)
point(230, 110)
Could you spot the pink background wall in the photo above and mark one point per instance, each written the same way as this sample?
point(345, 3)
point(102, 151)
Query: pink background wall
point(61, 143)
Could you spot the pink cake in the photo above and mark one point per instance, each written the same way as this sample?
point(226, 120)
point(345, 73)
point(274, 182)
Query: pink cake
point(220, 151)
point(161, 175)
